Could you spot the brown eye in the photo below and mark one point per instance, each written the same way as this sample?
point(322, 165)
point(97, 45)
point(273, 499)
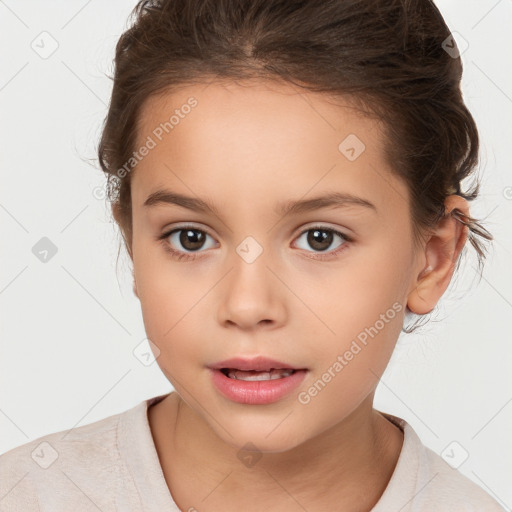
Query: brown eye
point(186, 239)
point(191, 239)
point(321, 238)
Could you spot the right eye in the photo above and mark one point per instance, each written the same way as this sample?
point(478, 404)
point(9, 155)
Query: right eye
point(189, 237)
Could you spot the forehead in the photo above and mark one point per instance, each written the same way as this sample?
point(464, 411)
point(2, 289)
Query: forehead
point(254, 108)
point(260, 142)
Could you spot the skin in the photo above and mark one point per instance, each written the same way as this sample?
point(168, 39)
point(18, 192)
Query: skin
point(246, 148)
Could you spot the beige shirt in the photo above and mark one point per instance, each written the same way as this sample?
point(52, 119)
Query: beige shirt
point(112, 465)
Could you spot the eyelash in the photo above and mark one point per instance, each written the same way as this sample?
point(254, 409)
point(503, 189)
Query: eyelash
point(179, 255)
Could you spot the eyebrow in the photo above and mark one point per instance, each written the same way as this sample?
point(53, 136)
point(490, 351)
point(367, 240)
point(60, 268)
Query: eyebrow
point(332, 199)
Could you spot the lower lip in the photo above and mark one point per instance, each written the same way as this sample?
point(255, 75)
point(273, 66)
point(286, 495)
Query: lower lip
point(257, 392)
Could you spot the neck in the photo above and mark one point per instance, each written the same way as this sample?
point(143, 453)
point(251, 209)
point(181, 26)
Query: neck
point(348, 465)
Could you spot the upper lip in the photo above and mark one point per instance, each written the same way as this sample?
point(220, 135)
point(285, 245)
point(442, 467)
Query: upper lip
point(257, 363)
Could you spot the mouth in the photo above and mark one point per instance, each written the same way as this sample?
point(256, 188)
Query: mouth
point(267, 384)
point(253, 375)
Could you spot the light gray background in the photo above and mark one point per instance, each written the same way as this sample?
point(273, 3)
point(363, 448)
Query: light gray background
point(70, 325)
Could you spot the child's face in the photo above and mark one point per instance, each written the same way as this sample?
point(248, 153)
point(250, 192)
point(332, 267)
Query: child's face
point(247, 150)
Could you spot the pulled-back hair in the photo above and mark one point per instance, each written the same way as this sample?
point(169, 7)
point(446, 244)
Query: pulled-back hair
point(388, 56)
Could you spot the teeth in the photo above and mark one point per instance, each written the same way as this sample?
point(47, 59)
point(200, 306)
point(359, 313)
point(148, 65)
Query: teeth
point(254, 375)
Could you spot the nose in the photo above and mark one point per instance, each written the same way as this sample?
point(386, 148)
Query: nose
point(252, 296)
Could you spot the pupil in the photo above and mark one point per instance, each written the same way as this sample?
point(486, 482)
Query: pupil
point(318, 240)
point(191, 239)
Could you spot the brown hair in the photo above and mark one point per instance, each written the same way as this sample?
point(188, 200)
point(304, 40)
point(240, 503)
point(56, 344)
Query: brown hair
point(388, 56)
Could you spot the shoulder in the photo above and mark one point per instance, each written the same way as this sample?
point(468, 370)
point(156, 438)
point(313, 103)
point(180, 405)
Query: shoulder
point(423, 481)
point(453, 488)
point(72, 463)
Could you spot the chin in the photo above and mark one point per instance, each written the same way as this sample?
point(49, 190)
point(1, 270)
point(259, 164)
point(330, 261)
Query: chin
point(256, 440)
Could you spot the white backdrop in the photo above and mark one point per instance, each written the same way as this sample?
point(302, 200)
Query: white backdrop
point(69, 326)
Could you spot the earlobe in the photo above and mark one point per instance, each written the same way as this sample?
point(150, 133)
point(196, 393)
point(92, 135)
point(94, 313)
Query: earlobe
point(441, 252)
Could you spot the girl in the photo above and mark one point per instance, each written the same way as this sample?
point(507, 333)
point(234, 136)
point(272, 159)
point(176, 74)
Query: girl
point(287, 177)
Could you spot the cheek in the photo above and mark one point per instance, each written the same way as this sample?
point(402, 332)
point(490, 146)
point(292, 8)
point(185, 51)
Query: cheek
point(363, 308)
point(168, 304)
point(172, 299)
point(367, 322)
point(158, 291)
point(367, 284)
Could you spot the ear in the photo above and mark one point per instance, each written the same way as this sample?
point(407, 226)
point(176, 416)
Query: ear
point(441, 253)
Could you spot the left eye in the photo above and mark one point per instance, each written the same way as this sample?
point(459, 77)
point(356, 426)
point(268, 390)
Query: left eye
point(320, 238)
